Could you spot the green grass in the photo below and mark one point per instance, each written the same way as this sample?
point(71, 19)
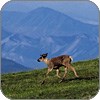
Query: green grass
point(27, 85)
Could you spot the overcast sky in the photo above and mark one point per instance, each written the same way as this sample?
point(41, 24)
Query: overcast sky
point(82, 10)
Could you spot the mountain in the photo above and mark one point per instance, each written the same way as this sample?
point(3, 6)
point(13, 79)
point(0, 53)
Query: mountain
point(11, 19)
point(46, 30)
point(9, 66)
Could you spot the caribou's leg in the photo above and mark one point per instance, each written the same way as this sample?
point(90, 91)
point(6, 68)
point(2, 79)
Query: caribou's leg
point(57, 73)
point(48, 71)
point(73, 69)
point(64, 74)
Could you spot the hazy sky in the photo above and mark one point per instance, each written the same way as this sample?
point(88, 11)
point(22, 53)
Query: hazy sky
point(81, 10)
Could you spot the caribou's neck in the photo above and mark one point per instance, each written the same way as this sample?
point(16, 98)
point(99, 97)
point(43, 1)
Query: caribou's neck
point(46, 60)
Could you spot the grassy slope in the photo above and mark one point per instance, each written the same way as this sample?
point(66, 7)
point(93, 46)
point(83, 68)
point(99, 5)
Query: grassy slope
point(28, 84)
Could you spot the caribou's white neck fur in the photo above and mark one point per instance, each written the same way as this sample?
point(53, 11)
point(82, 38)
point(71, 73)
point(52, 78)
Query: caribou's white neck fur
point(46, 60)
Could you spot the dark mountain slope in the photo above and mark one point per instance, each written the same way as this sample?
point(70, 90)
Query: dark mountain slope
point(9, 66)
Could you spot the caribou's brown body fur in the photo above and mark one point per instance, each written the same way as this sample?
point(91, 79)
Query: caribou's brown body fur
point(57, 62)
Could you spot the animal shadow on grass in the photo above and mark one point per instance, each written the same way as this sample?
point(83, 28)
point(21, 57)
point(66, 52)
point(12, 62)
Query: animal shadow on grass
point(72, 79)
point(78, 78)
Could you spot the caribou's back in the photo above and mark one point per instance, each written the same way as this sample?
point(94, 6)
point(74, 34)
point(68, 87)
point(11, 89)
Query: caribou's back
point(60, 60)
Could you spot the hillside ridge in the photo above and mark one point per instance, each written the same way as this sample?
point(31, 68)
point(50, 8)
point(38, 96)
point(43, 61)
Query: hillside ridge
point(27, 85)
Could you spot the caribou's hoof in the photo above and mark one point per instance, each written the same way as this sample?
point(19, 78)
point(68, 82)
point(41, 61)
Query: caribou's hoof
point(77, 76)
point(57, 76)
point(42, 82)
point(61, 80)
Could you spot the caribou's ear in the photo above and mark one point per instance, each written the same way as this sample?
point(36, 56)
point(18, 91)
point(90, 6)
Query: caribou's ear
point(45, 55)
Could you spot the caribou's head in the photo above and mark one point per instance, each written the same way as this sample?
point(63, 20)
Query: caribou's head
point(42, 57)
